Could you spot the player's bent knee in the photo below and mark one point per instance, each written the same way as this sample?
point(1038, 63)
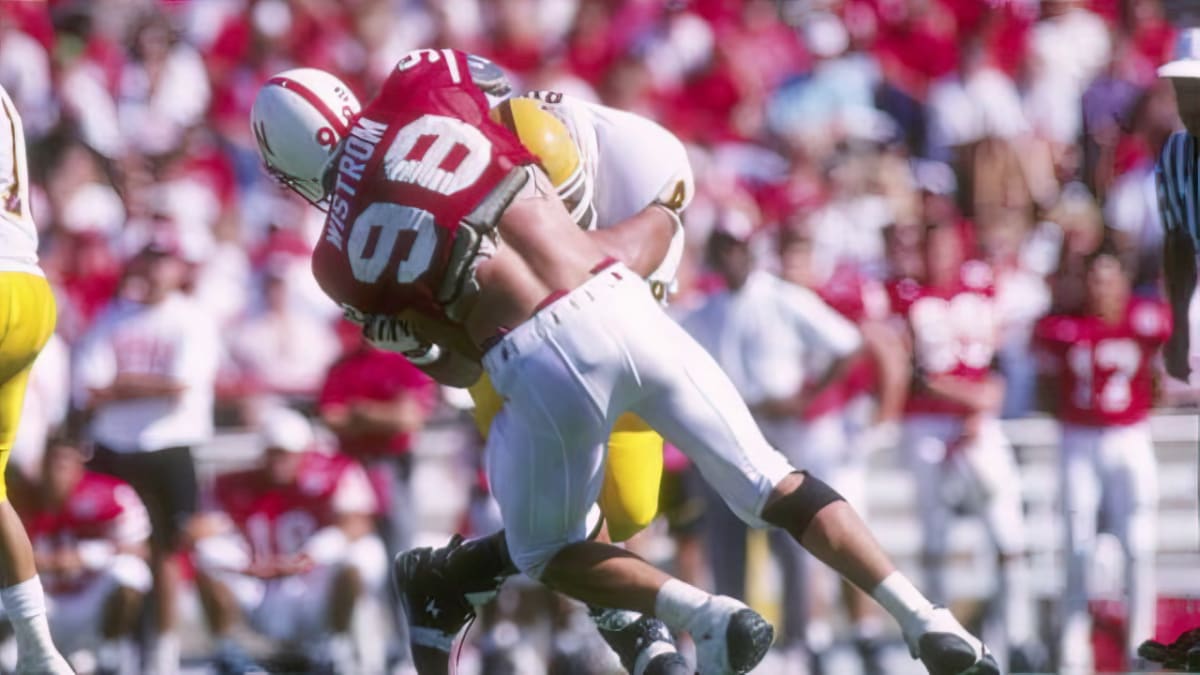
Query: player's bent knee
point(796, 509)
point(532, 560)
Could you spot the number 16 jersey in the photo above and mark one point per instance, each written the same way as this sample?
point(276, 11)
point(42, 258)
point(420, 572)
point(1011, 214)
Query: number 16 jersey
point(418, 162)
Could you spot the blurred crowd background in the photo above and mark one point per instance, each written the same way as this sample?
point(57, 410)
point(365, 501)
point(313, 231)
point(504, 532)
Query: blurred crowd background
point(1031, 125)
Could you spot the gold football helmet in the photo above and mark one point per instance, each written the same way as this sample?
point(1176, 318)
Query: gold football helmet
point(548, 139)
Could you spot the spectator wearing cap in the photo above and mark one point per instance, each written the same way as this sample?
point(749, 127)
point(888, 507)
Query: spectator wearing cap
point(289, 546)
point(144, 378)
point(783, 348)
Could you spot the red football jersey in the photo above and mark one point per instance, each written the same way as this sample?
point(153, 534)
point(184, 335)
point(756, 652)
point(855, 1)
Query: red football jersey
point(279, 519)
point(99, 508)
point(1104, 369)
point(421, 156)
point(954, 330)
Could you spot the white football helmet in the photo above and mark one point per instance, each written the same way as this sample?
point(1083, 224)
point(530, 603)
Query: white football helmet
point(299, 118)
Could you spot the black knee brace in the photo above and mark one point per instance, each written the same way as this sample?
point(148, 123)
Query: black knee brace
point(796, 509)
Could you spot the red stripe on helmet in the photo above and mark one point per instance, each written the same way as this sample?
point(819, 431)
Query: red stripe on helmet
point(338, 124)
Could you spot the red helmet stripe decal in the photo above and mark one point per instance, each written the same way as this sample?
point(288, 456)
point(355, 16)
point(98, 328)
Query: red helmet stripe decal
point(338, 124)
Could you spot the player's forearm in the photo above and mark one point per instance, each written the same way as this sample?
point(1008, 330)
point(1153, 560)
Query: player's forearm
point(893, 367)
point(979, 396)
point(400, 416)
point(640, 241)
point(1179, 259)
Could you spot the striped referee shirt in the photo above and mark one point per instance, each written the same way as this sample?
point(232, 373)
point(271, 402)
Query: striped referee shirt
point(1178, 180)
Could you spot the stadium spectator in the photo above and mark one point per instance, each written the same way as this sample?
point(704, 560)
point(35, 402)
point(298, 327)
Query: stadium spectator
point(283, 351)
point(1101, 365)
point(144, 375)
point(375, 402)
point(90, 534)
point(785, 350)
point(289, 546)
point(163, 88)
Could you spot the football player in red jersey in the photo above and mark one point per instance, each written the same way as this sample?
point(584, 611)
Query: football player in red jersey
point(951, 434)
point(1103, 363)
point(444, 234)
point(291, 546)
point(90, 535)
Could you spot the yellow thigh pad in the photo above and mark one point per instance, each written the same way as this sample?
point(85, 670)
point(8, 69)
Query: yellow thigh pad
point(632, 475)
point(27, 315)
point(632, 472)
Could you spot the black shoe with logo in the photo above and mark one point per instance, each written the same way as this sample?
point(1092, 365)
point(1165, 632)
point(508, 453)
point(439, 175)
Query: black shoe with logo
point(631, 635)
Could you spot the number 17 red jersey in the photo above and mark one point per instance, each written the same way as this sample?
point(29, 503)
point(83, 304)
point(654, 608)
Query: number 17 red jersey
point(1104, 369)
point(420, 158)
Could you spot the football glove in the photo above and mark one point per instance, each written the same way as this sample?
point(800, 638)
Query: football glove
point(393, 334)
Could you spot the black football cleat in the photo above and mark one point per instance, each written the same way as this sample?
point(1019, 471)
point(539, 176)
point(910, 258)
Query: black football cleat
point(440, 588)
point(639, 639)
point(950, 654)
point(730, 637)
point(946, 648)
point(1181, 655)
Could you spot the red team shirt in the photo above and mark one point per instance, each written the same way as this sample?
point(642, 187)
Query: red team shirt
point(954, 331)
point(1105, 369)
point(418, 159)
point(99, 508)
point(374, 375)
point(280, 519)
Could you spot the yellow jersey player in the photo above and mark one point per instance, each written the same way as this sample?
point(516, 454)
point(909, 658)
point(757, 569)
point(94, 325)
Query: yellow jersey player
point(607, 166)
point(27, 316)
point(610, 169)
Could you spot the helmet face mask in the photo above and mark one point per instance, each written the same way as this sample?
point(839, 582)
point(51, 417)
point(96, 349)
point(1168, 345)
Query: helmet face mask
point(317, 196)
point(548, 139)
point(300, 119)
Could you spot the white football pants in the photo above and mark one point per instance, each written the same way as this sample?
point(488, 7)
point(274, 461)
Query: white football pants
point(569, 372)
point(1110, 471)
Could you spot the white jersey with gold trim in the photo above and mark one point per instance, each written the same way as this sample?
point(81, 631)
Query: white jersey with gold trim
point(18, 234)
point(629, 161)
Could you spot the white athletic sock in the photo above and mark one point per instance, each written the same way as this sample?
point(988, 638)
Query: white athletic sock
point(903, 601)
point(25, 604)
point(678, 603)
